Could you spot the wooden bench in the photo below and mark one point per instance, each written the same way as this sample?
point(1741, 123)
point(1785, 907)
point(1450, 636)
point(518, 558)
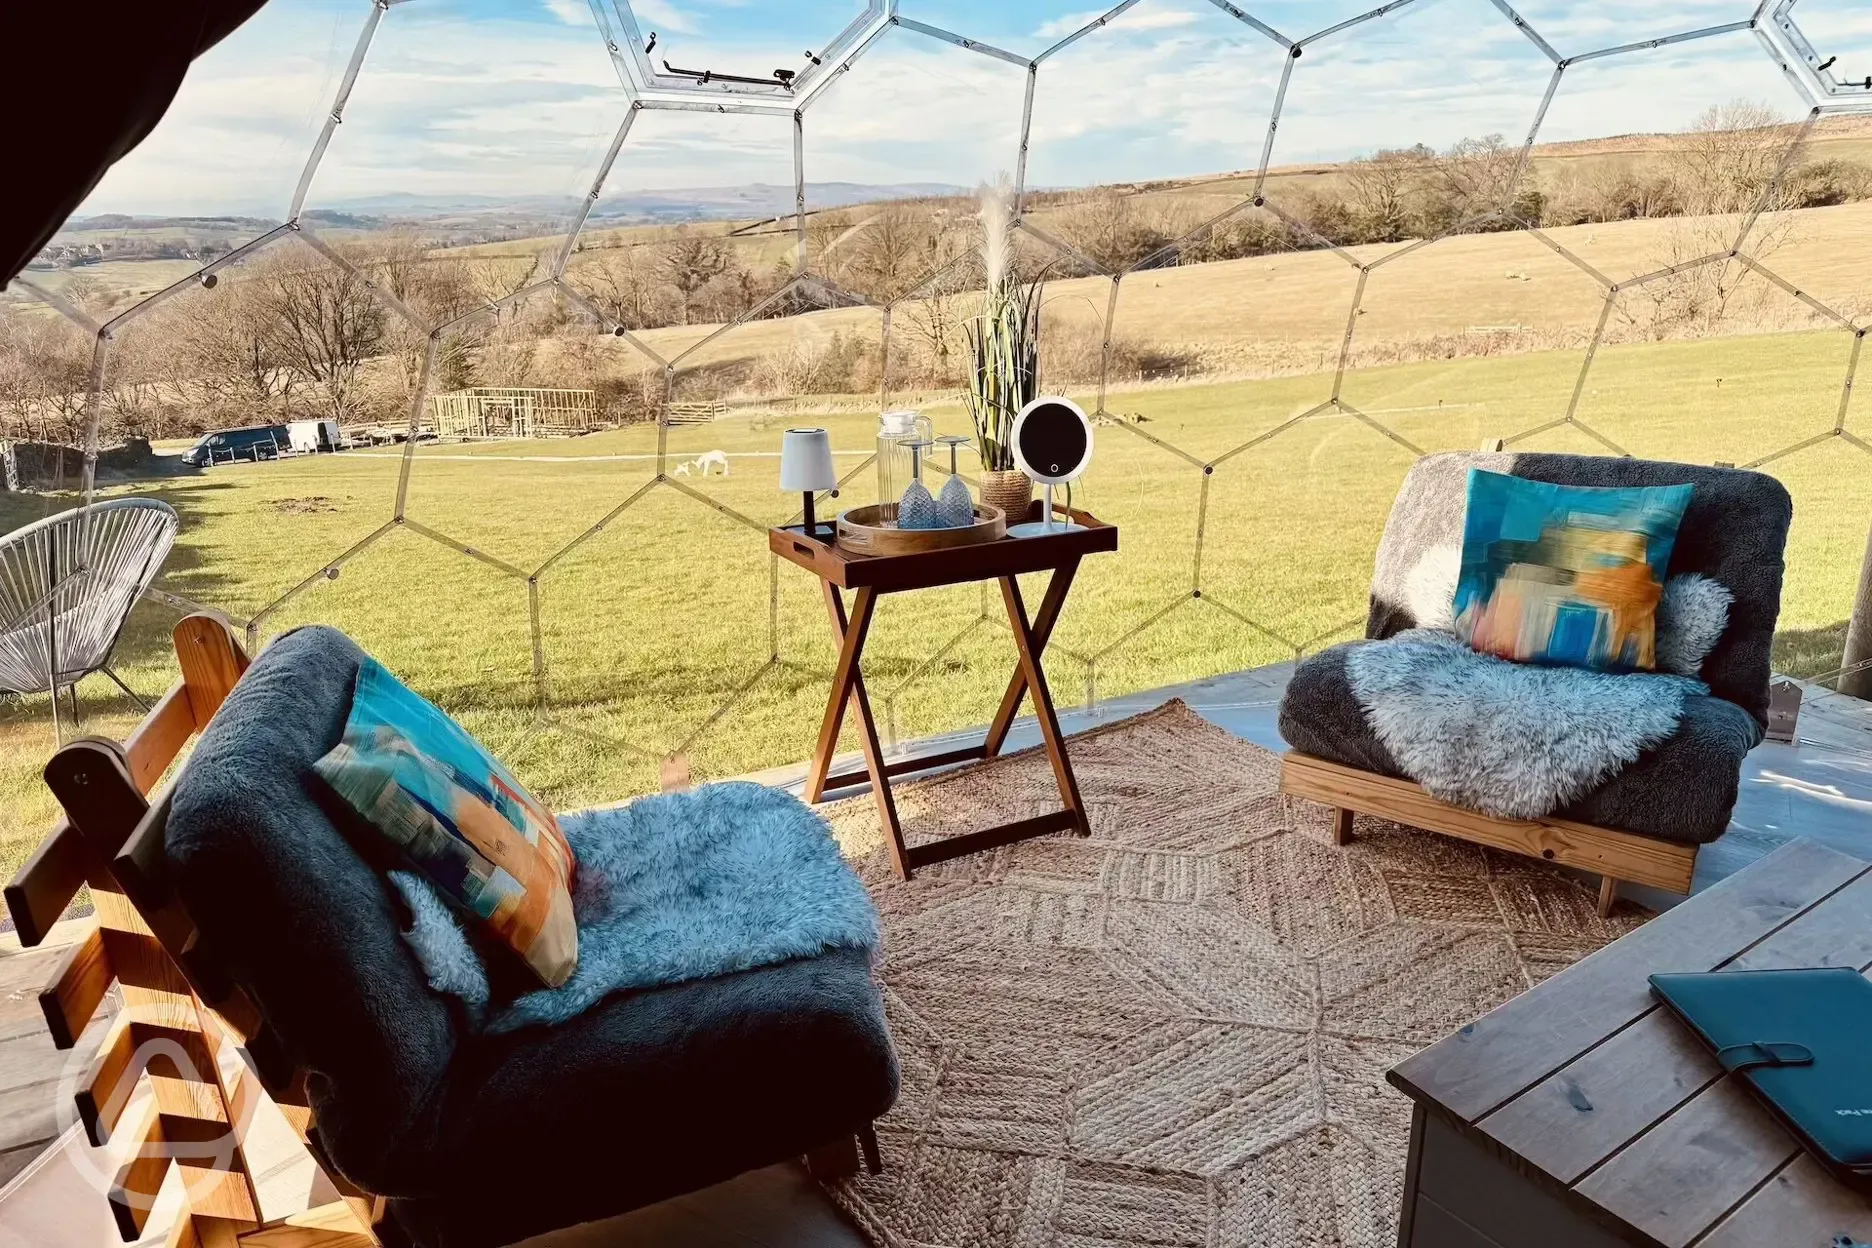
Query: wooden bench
point(162, 1090)
point(1583, 1115)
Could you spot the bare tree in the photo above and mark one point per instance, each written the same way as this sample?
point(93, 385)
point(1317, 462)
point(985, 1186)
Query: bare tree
point(1477, 177)
point(1386, 189)
point(689, 261)
point(223, 350)
point(1731, 155)
point(627, 285)
point(897, 246)
point(45, 376)
point(329, 325)
point(1702, 290)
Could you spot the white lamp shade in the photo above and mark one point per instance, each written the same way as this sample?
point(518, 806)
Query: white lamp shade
point(806, 461)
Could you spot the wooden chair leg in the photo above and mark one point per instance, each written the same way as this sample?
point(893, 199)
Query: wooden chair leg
point(835, 1160)
point(1341, 826)
point(867, 1140)
point(1608, 894)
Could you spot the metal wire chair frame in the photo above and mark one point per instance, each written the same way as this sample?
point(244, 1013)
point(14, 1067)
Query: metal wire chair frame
point(67, 586)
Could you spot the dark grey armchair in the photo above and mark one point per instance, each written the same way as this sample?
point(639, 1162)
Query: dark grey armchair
point(479, 1140)
point(1678, 795)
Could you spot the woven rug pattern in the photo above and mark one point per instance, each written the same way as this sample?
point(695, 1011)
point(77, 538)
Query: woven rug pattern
point(1175, 1032)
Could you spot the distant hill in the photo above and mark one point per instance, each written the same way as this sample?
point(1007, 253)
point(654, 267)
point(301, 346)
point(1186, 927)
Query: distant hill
point(711, 203)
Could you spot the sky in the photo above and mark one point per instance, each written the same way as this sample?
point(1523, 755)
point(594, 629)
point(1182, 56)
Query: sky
point(461, 98)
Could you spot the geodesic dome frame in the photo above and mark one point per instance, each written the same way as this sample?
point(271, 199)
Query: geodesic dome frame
point(644, 88)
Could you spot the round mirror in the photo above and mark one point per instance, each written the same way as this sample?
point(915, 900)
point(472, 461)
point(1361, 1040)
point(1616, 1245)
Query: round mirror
point(1052, 440)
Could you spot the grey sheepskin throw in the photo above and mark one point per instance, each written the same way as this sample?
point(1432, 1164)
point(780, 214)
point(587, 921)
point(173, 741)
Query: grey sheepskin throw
point(1690, 621)
point(1512, 739)
point(672, 887)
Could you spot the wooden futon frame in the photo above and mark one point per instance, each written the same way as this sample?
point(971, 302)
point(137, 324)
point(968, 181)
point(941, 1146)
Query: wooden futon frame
point(1612, 854)
point(181, 1014)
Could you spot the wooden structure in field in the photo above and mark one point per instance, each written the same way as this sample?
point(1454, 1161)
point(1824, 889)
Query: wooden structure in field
point(182, 1069)
point(513, 412)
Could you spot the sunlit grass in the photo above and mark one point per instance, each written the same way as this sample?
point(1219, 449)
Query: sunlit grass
point(673, 629)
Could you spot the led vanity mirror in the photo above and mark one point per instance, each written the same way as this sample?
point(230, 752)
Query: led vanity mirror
point(1053, 446)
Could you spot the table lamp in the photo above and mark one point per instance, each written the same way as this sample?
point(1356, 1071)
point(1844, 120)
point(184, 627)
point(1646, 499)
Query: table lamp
point(806, 466)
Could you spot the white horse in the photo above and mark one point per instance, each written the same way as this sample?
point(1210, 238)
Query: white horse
point(711, 459)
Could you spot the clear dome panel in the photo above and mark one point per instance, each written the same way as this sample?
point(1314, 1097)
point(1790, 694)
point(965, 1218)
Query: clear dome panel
point(558, 301)
point(894, 201)
point(472, 137)
point(1147, 127)
point(1475, 337)
point(696, 227)
point(1451, 84)
point(220, 169)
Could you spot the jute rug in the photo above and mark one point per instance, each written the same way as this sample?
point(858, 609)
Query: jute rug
point(1175, 1032)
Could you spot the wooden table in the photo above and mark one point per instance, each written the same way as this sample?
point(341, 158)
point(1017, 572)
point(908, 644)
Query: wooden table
point(1583, 1115)
point(870, 577)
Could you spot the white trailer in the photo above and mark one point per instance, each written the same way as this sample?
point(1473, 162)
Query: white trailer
point(309, 437)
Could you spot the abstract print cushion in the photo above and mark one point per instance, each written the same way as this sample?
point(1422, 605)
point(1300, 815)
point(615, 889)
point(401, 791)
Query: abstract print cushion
point(1565, 574)
point(459, 818)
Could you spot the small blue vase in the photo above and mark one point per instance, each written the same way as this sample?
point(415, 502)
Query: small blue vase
point(917, 510)
point(954, 507)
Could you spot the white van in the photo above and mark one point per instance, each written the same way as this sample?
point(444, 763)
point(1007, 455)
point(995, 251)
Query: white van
point(310, 437)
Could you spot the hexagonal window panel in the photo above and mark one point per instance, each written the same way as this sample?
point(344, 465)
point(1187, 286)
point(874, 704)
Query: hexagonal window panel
point(1147, 126)
point(769, 56)
point(894, 200)
point(1266, 331)
point(696, 226)
point(696, 585)
point(534, 401)
point(745, 384)
point(1475, 337)
point(1828, 47)
point(1291, 529)
point(473, 140)
point(221, 168)
point(1722, 127)
point(452, 628)
point(1381, 89)
point(1717, 363)
point(239, 387)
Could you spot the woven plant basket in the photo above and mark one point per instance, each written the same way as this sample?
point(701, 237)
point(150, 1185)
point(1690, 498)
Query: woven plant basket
point(1010, 490)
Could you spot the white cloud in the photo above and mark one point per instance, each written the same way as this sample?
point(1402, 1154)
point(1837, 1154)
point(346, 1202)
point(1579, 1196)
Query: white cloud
point(571, 12)
point(493, 106)
point(661, 15)
point(1135, 19)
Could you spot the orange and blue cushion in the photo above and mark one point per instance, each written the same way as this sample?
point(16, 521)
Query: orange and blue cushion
point(1565, 574)
point(459, 818)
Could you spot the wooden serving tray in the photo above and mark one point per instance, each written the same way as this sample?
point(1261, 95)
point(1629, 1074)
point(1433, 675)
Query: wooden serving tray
point(873, 531)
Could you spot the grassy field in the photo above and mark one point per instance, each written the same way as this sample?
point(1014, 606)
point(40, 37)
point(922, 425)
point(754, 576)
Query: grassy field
point(672, 629)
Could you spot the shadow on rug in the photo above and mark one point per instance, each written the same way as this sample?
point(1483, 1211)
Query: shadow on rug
point(1175, 1032)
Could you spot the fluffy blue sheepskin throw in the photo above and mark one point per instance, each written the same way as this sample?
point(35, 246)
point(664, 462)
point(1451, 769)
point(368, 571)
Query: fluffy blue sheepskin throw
point(672, 887)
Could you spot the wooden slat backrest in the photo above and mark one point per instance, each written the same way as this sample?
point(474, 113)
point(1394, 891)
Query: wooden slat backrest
point(182, 1009)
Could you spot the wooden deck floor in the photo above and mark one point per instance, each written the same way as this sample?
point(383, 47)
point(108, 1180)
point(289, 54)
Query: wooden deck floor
point(1819, 787)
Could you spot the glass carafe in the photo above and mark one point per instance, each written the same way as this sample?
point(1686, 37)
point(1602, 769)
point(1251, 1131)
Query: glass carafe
point(895, 457)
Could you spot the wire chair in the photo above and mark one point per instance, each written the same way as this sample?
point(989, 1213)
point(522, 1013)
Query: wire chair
point(67, 584)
